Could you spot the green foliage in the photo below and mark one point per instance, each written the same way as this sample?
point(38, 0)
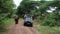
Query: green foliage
point(27, 7)
point(6, 6)
point(50, 19)
point(49, 22)
point(38, 17)
point(2, 23)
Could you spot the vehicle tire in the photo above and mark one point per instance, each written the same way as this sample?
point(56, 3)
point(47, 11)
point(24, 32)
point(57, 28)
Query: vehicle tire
point(31, 25)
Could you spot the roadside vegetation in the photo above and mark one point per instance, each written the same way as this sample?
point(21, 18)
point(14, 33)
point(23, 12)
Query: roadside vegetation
point(46, 14)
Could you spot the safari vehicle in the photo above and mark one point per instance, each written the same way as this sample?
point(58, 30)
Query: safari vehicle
point(28, 21)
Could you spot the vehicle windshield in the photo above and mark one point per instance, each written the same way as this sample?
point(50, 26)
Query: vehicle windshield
point(28, 19)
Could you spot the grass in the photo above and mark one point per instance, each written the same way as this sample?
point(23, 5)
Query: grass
point(9, 21)
point(50, 29)
point(41, 31)
point(46, 29)
point(6, 23)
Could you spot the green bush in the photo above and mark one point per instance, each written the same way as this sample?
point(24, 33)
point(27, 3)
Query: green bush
point(2, 18)
point(38, 18)
point(49, 22)
point(1, 26)
point(58, 23)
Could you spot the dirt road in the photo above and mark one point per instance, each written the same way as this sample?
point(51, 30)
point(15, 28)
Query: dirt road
point(20, 29)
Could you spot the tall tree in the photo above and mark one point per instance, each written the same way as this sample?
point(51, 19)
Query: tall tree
point(5, 7)
point(27, 6)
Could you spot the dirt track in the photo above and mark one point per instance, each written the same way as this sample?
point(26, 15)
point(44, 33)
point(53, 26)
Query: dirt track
point(20, 29)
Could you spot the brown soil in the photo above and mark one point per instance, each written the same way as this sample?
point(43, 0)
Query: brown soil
point(21, 29)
